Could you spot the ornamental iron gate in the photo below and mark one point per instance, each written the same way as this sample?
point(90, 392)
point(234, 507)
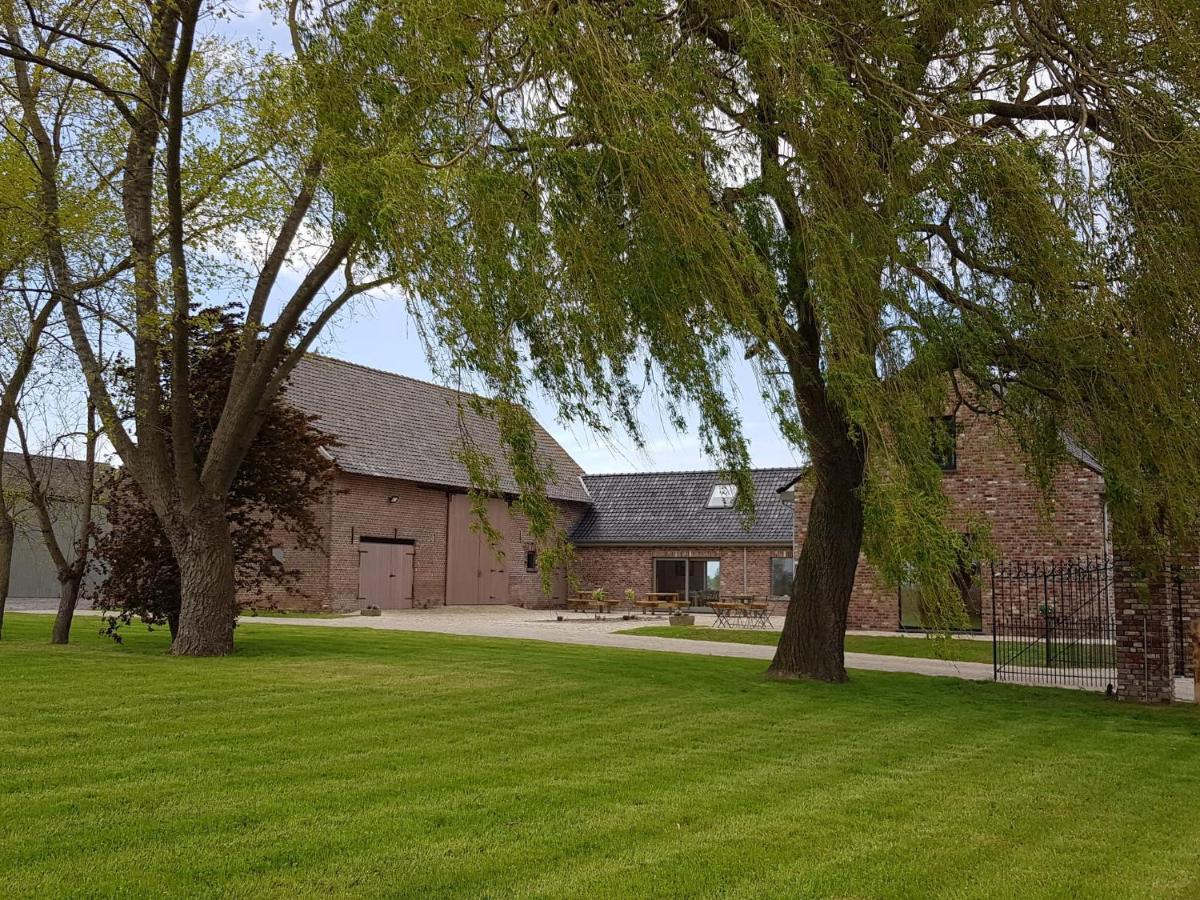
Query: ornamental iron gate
point(1179, 627)
point(1053, 623)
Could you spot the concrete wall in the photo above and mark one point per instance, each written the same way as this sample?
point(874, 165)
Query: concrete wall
point(34, 575)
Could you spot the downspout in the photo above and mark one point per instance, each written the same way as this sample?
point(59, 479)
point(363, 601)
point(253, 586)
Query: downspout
point(745, 573)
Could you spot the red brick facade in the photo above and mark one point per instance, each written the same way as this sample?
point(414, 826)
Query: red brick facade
point(744, 569)
point(360, 505)
point(989, 486)
point(1145, 647)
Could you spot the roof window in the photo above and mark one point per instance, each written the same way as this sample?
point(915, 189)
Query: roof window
point(722, 496)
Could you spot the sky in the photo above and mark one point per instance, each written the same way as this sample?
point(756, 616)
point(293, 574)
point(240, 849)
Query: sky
point(382, 335)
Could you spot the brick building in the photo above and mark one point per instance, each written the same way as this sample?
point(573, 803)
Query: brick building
point(988, 487)
point(398, 529)
point(679, 531)
point(397, 524)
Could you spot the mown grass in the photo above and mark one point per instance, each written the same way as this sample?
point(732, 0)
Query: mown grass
point(319, 762)
point(1029, 653)
point(956, 649)
point(253, 612)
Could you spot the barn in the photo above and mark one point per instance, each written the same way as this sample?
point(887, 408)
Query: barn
point(397, 523)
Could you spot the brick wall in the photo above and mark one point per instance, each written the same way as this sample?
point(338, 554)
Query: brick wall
point(525, 588)
point(312, 587)
point(1145, 665)
point(360, 505)
point(989, 485)
point(616, 568)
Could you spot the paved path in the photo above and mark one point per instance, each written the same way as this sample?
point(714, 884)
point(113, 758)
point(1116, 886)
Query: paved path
point(543, 625)
point(577, 628)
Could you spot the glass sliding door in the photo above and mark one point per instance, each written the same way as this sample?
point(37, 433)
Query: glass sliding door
point(695, 580)
point(670, 576)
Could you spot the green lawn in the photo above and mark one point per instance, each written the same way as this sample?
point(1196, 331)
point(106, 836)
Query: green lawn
point(255, 612)
point(956, 649)
point(953, 649)
point(354, 762)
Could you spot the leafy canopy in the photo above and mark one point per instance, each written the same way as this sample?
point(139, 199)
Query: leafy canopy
point(863, 197)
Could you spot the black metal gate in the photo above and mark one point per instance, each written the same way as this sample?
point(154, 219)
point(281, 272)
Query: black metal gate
point(1179, 627)
point(1053, 623)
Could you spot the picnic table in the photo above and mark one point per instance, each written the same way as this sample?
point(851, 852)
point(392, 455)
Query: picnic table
point(656, 600)
point(587, 601)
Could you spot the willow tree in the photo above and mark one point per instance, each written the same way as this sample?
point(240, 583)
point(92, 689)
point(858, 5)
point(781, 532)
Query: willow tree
point(199, 157)
point(862, 197)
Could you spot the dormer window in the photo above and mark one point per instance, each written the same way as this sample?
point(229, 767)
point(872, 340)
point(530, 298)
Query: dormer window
point(722, 496)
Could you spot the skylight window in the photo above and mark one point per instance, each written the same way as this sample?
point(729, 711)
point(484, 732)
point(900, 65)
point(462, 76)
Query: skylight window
point(722, 496)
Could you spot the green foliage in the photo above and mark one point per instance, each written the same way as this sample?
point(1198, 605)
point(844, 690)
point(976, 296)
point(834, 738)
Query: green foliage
point(275, 495)
point(604, 199)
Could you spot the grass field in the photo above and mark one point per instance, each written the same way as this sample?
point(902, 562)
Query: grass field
point(352, 762)
point(255, 612)
point(953, 649)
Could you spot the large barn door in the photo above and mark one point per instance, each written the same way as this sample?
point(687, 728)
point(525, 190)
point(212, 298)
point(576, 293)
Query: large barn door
point(385, 573)
point(475, 572)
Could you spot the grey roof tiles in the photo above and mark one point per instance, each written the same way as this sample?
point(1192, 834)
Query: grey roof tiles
point(672, 508)
point(392, 426)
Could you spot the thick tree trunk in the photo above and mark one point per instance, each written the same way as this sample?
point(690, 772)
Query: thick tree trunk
point(68, 597)
point(7, 534)
point(814, 631)
point(207, 607)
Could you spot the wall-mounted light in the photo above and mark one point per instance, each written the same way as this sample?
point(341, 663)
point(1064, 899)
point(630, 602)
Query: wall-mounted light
point(393, 499)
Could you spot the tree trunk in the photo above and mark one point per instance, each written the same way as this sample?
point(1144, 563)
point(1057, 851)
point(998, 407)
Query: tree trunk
point(7, 535)
point(814, 631)
point(207, 606)
point(68, 597)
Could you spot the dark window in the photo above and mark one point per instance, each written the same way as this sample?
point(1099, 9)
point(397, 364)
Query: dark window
point(783, 570)
point(531, 561)
point(945, 440)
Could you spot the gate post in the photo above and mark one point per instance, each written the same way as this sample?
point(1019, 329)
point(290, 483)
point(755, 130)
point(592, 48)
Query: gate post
point(1196, 659)
point(1142, 607)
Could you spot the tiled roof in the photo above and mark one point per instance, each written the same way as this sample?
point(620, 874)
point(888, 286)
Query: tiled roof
point(63, 478)
point(672, 508)
point(392, 426)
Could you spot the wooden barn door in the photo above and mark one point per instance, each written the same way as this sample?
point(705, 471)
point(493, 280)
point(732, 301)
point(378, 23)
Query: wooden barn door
point(475, 572)
point(385, 573)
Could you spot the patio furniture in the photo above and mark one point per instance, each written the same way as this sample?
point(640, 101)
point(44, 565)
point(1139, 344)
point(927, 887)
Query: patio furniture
point(676, 603)
point(758, 615)
point(656, 600)
point(739, 611)
point(727, 612)
point(606, 605)
point(581, 602)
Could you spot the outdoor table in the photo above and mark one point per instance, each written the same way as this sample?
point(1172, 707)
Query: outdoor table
point(656, 600)
point(726, 611)
point(581, 602)
point(758, 614)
